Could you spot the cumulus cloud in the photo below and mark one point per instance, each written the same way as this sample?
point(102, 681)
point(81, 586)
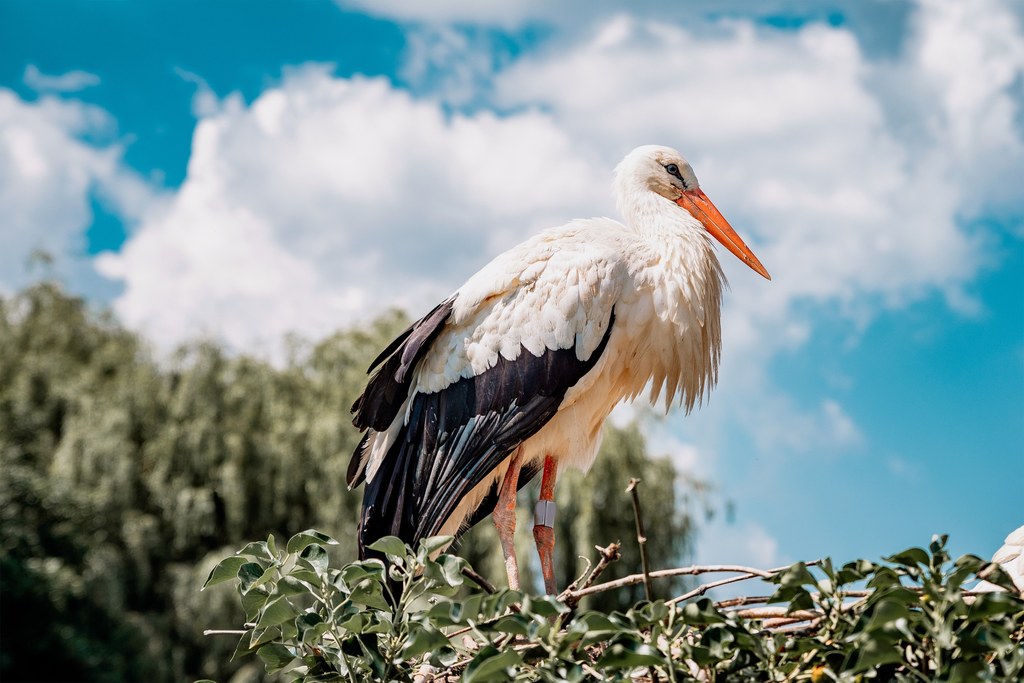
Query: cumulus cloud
point(72, 81)
point(580, 15)
point(327, 200)
point(745, 543)
point(48, 175)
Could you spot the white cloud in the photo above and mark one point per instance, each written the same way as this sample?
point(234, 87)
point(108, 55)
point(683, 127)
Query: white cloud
point(72, 81)
point(204, 100)
point(329, 199)
point(47, 176)
point(581, 15)
point(972, 58)
point(745, 543)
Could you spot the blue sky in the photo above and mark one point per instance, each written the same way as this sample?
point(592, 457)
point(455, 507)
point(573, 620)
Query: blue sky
point(244, 170)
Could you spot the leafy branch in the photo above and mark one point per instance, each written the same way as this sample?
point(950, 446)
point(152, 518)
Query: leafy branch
point(906, 618)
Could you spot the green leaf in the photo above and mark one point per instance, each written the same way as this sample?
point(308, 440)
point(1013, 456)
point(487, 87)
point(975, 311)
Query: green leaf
point(885, 614)
point(456, 613)
point(253, 601)
point(446, 570)
point(244, 647)
point(225, 570)
point(490, 664)
point(435, 543)
point(911, 557)
point(313, 635)
point(391, 546)
point(424, 638)
point(302, 539)
point(261, 636)
point(718, 641)
point(546, 606)
point(791, 587)
point(987, 605)
point(307, 620)
point(594, 627)
point(355, 624)
point(248, 574)
point(627, 656)
point(289, 585)
point(276, 656)
point(353, 573)
point(513, 624)
point(702, 611)
point(648, 613)
point(962, 672)
point(371, 594)
point(875, 652)
point(259, 550)
point(316, 556)
point(307, 576)
point(276, 612)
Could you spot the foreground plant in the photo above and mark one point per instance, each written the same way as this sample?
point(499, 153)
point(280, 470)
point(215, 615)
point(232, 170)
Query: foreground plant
point(908, 618)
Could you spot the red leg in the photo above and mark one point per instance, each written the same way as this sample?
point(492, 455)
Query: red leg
point(505, 519)
point(543, 529)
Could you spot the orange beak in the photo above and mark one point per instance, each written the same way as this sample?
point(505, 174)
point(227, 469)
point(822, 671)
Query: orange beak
point(701, 208)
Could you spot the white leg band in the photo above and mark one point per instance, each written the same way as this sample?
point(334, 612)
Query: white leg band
point(544, 513)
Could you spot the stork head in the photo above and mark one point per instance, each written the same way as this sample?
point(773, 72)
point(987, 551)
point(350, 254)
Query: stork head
point(664, 171)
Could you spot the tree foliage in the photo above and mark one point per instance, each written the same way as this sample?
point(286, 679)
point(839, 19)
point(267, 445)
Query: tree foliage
point(123, 480)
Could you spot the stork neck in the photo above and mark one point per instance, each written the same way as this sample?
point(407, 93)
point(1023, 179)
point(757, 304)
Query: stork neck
point(651, 214)
point(682, 243)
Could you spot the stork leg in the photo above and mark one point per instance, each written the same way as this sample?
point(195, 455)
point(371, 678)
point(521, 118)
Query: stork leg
point(544, 525)
point(504, 516)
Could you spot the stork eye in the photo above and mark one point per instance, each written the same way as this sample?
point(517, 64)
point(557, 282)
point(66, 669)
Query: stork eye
point(672, 169)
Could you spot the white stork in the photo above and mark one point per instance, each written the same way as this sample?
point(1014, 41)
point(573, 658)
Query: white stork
point(517, 371)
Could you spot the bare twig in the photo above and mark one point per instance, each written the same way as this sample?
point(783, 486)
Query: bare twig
point(633, 579)
point(583, 574)
point(223, 632)
point(776, 613)
point(740, 602)
point(610, 553)
point(705, 587)
point(570, 596)
point(750, 574)
point(641, 536)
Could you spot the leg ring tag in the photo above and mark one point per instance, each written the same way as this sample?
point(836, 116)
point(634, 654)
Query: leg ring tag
point(544, 513)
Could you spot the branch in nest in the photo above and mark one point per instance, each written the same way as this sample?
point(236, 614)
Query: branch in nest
point(641, 536)
point(633, 579)
point(609, 554)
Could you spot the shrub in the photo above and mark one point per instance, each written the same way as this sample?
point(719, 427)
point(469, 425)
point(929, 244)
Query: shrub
point(907, 618)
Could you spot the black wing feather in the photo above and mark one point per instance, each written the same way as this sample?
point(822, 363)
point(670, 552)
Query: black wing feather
point(456, 437)
point(380, 402)
point(388, 388)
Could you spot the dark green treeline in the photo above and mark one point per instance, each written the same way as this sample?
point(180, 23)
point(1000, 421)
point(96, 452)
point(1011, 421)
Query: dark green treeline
point(123, 480)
